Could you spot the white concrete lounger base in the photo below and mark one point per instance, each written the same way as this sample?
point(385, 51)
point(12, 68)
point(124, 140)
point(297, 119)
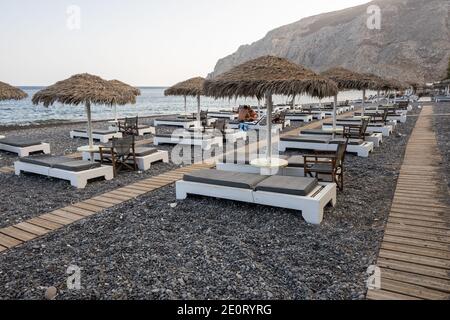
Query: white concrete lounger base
point(205, 144)
point(386, 131)
point(246, 168)
point(26, 151)
point(183, 124)
point(363, 150)
point(143, 163)
point(229, 116)
point(103, 138)
point(303, 118)
point(311, 206)
point(77, 179)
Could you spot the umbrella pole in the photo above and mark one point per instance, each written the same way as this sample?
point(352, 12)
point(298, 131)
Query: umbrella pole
point(199, 121)
point(259, 109)
point(269, 125)
point(89, 119)
point(364, 102)
point(185, 108)
point(334, 113)
point(115, 113)
point(378, 99)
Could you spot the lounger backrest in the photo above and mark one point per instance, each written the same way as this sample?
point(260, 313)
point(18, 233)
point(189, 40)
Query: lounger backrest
point(123, 146)
point(341, 151)
point(364, 126)
point(220, 125)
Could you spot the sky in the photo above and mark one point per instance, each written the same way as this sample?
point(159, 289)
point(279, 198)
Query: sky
point(141, 42)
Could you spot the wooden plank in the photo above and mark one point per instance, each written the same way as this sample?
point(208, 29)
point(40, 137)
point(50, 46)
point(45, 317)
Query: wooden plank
point(125, 193)
point(78, 211)
point(88, 207)
point(419, 205)
point(417, 279)
point(417, 208)
point(421, 243)
point(45, 223)
point(422, 217)
point(2, 248)
point(420, 223)
point(422, 251)
point(138, 188)
point(18, 234)
point(424, 230)
point(99, 203)
point(28, 227)
point(67, 215)
point(417, 235)
point(146, 186)
point(117, 197)
point(56, 219)
point(439, 215)
point(413, 268)
point(8, 242)
point(387, 296)
point(413, 258)
point(412, 290)
point(106, 199)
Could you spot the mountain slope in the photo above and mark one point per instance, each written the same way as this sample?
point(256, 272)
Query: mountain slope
point(413, 42)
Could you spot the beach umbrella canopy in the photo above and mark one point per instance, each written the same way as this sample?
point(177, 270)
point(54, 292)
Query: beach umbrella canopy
point(8, 92)
point(123, 87)
point(350, 80)
point(88, 90)
point(190, 88)
point(266, 76)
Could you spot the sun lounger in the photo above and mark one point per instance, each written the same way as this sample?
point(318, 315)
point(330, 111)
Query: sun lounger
point(78, 172)
point(360, 147)
point(175, 122)
point(302, 194)
point(145, 157)
point(402, 118)
point(375, 138)
point(385, 130)
point(442, 99)
point(296, 116)
point(258, 126)
point(23, 147)
point(224, 115)
point(142, 129)
point(101, 135)
point(206, 141)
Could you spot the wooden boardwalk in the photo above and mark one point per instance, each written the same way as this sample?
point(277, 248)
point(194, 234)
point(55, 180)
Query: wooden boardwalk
point(414, 259)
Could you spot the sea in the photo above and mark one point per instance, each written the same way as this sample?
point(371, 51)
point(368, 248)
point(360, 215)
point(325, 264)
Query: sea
point(151, 102)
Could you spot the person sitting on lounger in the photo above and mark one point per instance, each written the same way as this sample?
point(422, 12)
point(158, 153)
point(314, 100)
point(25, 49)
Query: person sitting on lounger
point(247, 114)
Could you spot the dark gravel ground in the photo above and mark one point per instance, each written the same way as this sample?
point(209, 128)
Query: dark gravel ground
point(206, 248)
point(442, 129)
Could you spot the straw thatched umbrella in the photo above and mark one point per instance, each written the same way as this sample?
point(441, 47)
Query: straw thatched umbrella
point(349, 80)
point(123, 87)
point(189, 88)
point(88, 90)
point(8, 92)
point(266, 76)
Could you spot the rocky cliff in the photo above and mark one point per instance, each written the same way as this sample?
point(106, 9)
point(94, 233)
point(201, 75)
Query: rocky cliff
point(413, 42)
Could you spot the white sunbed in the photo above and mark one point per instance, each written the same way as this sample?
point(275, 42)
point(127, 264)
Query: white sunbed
point(402, 118)
point(376, 138)
point(101, 135)
point(175, 122)
point(442, 99)
point(359, 147)
point(258, 126)
point(142, 129)
point(23, 147)
point(386, 129)
point(145, 157)
point(206, 141)
point(297, 116)
point(78, 172)
point(224, 115)
point(302, 194)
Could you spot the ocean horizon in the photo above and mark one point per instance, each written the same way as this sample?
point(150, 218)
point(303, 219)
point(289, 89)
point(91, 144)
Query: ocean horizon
point(151, 102)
